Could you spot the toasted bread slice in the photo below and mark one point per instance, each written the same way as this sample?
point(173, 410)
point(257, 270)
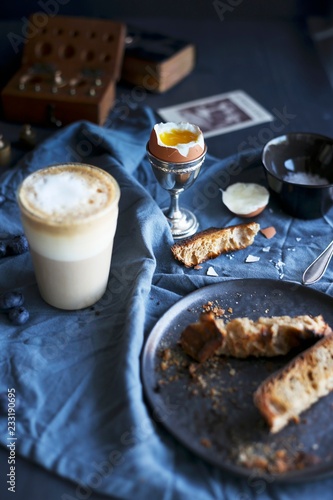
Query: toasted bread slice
point(270, 336)
point(201, 340)
point(213, 242)
point(243, 337)
point(283, 396)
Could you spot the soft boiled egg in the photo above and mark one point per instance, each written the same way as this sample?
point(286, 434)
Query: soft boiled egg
point(245, 199)
point(176, 142)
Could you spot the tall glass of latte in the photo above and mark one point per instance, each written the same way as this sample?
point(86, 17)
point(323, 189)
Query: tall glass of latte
point(69, 214)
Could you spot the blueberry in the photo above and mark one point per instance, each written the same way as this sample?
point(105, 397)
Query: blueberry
point(2, 199)
point(3, 249)
point(18, 315)
point(17, 245)
point(11, 299)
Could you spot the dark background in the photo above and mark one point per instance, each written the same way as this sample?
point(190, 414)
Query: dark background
point(185, 9)
point(268, 48)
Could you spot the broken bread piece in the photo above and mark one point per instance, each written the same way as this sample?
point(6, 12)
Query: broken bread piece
point(270, 336)
point(213, 242)
point(283, 396)
point(201, 340)
point(243, 337)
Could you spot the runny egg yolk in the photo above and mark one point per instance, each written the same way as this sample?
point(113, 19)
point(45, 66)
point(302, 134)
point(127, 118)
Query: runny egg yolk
point(174, 137)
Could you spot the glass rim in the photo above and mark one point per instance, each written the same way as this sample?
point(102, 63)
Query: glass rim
point(73, 222)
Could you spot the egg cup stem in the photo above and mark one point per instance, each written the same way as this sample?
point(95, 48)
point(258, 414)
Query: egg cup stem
point(175, 178)
point(174, 212)
point(182, 223)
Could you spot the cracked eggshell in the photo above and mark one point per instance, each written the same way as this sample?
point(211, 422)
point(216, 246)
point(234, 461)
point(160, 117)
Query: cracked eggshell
point(181, 152)
point(245, 199)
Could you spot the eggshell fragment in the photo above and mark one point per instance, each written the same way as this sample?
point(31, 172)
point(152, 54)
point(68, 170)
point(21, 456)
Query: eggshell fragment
point(245, 199)
point(188, 150)
point(252, 258)
point(211, 271)
point(268, 232)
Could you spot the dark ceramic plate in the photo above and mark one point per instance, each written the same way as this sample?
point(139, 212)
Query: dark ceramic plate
point(210, 409)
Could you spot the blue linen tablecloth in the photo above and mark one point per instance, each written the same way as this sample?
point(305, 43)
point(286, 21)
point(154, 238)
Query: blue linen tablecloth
point(80, 404)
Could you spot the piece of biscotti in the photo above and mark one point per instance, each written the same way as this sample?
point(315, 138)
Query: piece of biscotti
point(283, 396)
point(213, 242)
point(244, 337)
point(200, 340)
point(270, 336)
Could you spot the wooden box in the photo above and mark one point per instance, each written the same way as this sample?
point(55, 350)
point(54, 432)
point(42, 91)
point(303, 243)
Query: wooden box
point(69, 70)
point(155, 61)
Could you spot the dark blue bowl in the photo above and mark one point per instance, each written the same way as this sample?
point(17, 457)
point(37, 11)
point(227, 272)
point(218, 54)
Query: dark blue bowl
point(299, 173)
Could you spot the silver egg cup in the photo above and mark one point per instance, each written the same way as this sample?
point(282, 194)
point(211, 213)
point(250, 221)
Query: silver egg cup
point(175, 178)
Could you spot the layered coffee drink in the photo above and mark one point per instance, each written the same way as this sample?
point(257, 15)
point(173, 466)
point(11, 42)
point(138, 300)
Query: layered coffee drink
point(69, 215)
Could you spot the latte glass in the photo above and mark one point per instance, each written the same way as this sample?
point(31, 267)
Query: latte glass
point(69, 215)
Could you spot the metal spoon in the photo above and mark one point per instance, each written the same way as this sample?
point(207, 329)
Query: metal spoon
point(318, 267)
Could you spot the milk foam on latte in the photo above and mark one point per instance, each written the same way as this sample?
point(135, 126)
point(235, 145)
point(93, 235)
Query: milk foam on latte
point(69, 214)
point(68, 194)
point(68, 201)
